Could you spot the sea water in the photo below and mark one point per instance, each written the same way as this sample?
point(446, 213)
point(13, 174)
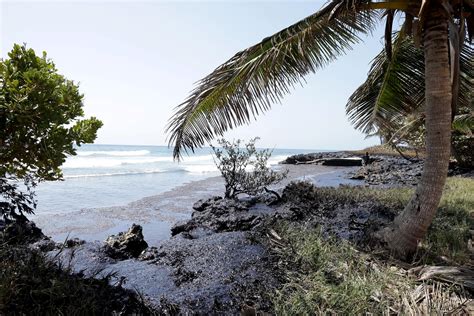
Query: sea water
point(114, 175)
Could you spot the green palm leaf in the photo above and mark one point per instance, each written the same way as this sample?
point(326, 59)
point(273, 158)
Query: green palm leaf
point(464, 123)
point(395, 87)
point(251, 81)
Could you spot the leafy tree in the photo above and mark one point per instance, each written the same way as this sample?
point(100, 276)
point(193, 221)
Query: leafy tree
point(40, 116)
point(40, 124)
point(15, 203)
point(253, 79)
point(234, 163)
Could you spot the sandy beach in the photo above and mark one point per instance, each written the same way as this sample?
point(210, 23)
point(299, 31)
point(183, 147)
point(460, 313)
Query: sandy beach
point(159, 212)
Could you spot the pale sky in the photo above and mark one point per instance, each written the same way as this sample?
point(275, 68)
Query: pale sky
point(136, 60)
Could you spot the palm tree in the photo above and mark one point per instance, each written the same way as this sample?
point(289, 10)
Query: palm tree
point(255, 78)
point(391, 101)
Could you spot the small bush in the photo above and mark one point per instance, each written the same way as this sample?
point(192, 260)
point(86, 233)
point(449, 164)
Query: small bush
point(245, 170)
point(14, 202)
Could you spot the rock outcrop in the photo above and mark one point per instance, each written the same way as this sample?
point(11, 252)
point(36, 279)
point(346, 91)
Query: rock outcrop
point(128, 244)
point(216, 215)
point(335, 159)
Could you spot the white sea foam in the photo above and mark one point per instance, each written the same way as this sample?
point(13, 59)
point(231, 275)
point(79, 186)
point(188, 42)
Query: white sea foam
point(120, 153)
point(104, 162)
point(198, 158)
point(199, 169)
point(112, 174)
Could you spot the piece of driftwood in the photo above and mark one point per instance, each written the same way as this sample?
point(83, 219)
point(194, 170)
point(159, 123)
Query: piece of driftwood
point(309, 162)
point(457, 275)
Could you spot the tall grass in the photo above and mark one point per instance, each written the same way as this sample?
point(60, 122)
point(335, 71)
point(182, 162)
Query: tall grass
point(330, 276)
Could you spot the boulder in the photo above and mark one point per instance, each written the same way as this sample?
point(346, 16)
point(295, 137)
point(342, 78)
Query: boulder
point(74, 242)
point(128, 244)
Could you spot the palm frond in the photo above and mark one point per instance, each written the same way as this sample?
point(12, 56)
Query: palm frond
point(251, 81)
point(464, 123)
point(395, 87)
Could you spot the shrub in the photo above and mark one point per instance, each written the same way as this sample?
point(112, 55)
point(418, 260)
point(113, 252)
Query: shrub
point(33, 284)
point(41, 122)
point(244, 169)
point(14, 203)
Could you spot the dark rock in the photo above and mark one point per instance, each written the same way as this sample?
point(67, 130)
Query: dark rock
point(126, 245)
point(183, 226)
point(314, 158)
point(390, 171)
point(218, 215)
point(202, 204)
point(151, 253)
point(71, 243)
point(342, 162)
point(358, 176)
point(45, 245)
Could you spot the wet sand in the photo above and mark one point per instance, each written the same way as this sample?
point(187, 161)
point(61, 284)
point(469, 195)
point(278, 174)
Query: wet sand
point(159, 212)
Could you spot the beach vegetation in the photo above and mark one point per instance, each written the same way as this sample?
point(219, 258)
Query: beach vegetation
point(41, 116)
point(259, 76)
point(41, 123)
point(17, 201)
point(244, 168)
point(330, 276)
point(31, 283)
point(393, 108)
point(324, 274)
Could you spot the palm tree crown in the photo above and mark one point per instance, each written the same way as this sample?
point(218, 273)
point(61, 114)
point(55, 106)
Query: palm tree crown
point(255, 78)
point(402, 79)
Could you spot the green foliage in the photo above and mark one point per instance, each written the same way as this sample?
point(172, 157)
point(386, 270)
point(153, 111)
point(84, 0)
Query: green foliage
point(450, 231)
point(255, 78)
point(32, 284)
point(448, 235)
point(329, 276)
point(15, 203)
point(40, 116)
point(326, 276)
point(233, 162)
point(390, 103)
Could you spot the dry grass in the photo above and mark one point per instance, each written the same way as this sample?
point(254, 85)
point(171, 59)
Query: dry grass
point(330, 276)
point(387, 151)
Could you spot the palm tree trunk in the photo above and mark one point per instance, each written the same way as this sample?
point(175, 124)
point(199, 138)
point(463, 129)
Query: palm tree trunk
point(410, 227)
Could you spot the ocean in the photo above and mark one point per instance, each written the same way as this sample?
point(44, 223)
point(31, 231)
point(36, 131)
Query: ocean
point(114, 175)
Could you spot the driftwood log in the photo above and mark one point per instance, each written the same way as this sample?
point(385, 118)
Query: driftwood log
point(451, 274)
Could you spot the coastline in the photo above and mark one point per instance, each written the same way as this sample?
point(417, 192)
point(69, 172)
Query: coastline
point(222, 255)
point(158, 213)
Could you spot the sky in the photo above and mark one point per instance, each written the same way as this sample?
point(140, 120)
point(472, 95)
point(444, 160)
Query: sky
point(136, 60)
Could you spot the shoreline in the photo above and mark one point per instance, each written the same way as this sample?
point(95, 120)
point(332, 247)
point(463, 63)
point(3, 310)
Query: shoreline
point(221, 255)
point(158, 213)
